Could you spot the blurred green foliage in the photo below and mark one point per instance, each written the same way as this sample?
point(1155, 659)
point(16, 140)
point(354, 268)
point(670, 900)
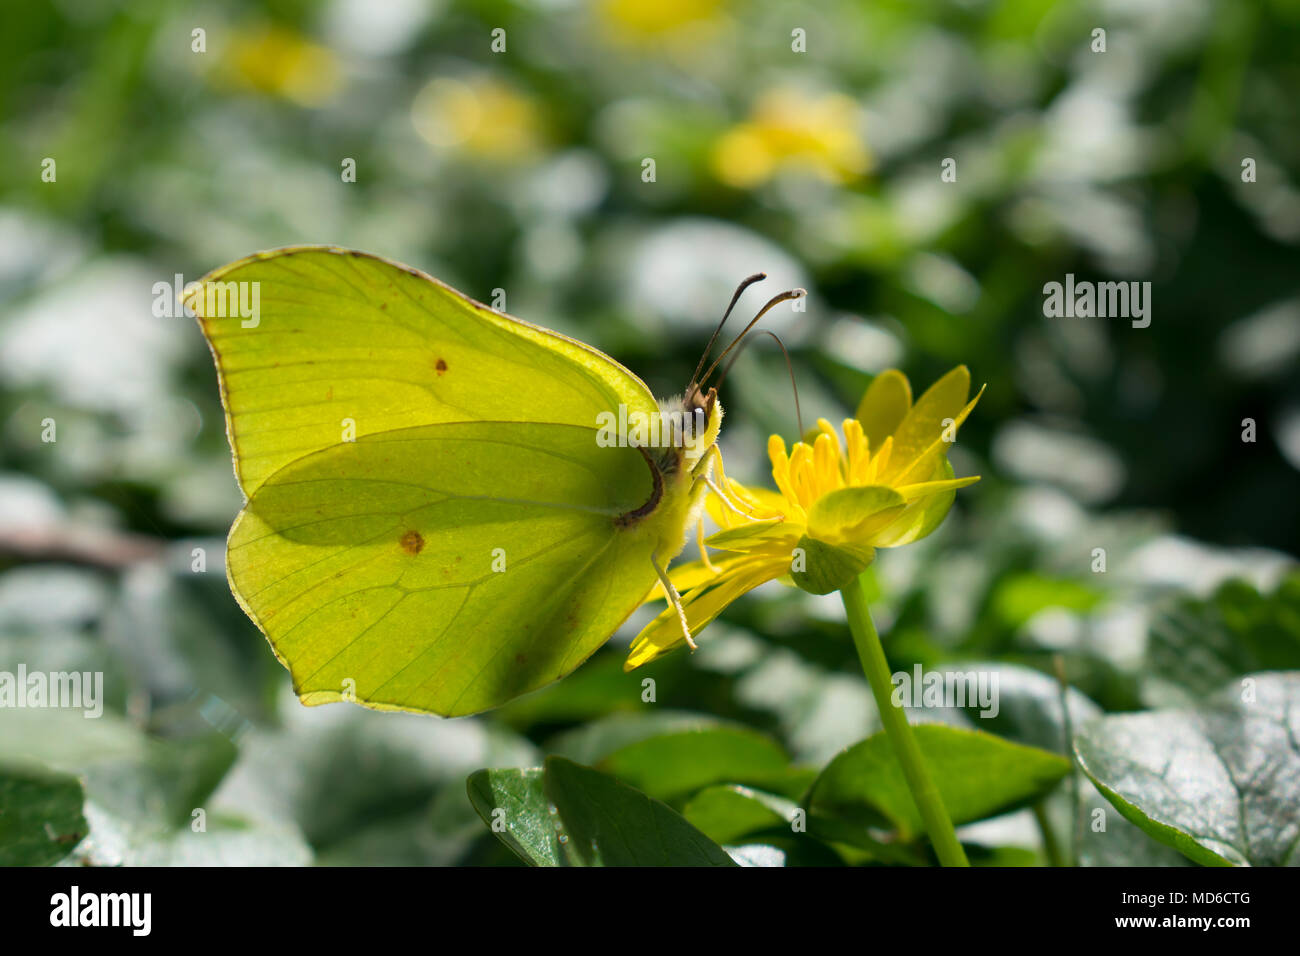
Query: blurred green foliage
point(525, 170)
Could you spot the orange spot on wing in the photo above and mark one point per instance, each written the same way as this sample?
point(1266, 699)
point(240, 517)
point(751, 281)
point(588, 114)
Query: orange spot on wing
point(441, 366)
point(412, 542)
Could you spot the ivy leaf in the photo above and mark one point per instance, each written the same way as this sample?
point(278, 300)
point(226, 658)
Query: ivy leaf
point(40, 816)
point(978, 776)
point(1218, 782)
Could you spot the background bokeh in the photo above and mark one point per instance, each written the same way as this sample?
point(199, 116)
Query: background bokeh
point(525, 171)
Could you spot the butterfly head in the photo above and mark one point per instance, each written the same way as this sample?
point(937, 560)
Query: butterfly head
point(703, 408)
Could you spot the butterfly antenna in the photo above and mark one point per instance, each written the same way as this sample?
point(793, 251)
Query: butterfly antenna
point(740, 289)
point(771, 304)
point(789, 367)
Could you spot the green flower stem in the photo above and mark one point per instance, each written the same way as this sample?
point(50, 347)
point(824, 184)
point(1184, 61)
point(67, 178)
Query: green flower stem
point(1051, 846)
point(937, 822)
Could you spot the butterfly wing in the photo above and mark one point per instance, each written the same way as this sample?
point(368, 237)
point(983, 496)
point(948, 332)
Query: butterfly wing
point(342, 339)
point(464, 548)
point(443, 568)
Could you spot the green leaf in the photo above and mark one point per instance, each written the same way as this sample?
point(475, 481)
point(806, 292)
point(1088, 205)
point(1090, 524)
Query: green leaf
point(1020, 596)
point(671, 765)
point(130, 774)
point(757, 854)
point(594, 741)
point(40, 816)
point(726, 814)
point(142, 791)
point(609, 823)
point(186, 772)
point(669, 754)
point(1029, 706)
point(514, 806)
point(1218, 783)
point(978, 776)
point(225, 840)
point(1001, 856)
point(1196, 646)
point(570, 815)
point(345, 773)
point(1116, 842)
point(598, 688)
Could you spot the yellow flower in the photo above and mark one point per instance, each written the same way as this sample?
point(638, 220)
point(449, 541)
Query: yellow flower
point(888, 483)
point(277, 60)
point(788, 129)
point(479, 116)
point(637, 20)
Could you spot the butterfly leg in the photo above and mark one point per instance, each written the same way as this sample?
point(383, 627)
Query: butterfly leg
point(732, 503)
point(675, 600)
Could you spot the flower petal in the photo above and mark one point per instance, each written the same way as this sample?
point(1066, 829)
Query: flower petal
point(664, 633)
point(923, 515)
point(926, 488)
point(751, 537)
point(924, 424)
point(687, 577)
point(924, 463)
point(884, 406)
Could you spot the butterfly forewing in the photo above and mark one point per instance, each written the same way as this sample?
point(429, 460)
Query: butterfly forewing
point(344, 344)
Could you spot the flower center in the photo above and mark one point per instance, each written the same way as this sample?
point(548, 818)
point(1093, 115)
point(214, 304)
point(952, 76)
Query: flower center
point(810, 471)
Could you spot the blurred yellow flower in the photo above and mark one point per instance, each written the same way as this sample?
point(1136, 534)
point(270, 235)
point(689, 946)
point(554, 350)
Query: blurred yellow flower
point(889, 483)
point(788, 129)
point(479, 116)
point(655, 19)
point(279, 61)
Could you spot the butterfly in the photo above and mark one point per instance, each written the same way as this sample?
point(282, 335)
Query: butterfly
point(446, 507)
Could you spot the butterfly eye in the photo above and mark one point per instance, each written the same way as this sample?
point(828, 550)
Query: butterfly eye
point(697, 400)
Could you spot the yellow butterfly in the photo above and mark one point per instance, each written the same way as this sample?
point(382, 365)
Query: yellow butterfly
point(446, 507)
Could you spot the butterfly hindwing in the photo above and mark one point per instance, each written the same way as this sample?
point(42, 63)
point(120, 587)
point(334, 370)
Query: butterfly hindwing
point(444, 568)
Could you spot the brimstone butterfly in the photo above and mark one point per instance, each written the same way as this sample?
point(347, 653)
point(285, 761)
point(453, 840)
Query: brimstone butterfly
point(436, 517)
